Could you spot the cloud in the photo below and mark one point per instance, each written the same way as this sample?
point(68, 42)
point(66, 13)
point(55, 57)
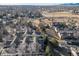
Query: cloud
point(11, 2)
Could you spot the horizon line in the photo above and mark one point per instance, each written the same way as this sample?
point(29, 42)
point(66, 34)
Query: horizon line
point(31, 4)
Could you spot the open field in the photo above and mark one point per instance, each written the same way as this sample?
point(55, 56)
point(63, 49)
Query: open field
point(59, 14)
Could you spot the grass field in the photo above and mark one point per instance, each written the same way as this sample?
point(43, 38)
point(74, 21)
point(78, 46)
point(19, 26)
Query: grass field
point(59, 14)
point(64, 16)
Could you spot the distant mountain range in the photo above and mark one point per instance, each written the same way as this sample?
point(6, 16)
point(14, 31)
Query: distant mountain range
point(43, 4)
point(70, 4)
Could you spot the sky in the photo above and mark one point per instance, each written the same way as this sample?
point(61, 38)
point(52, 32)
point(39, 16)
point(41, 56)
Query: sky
point(36, 2)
